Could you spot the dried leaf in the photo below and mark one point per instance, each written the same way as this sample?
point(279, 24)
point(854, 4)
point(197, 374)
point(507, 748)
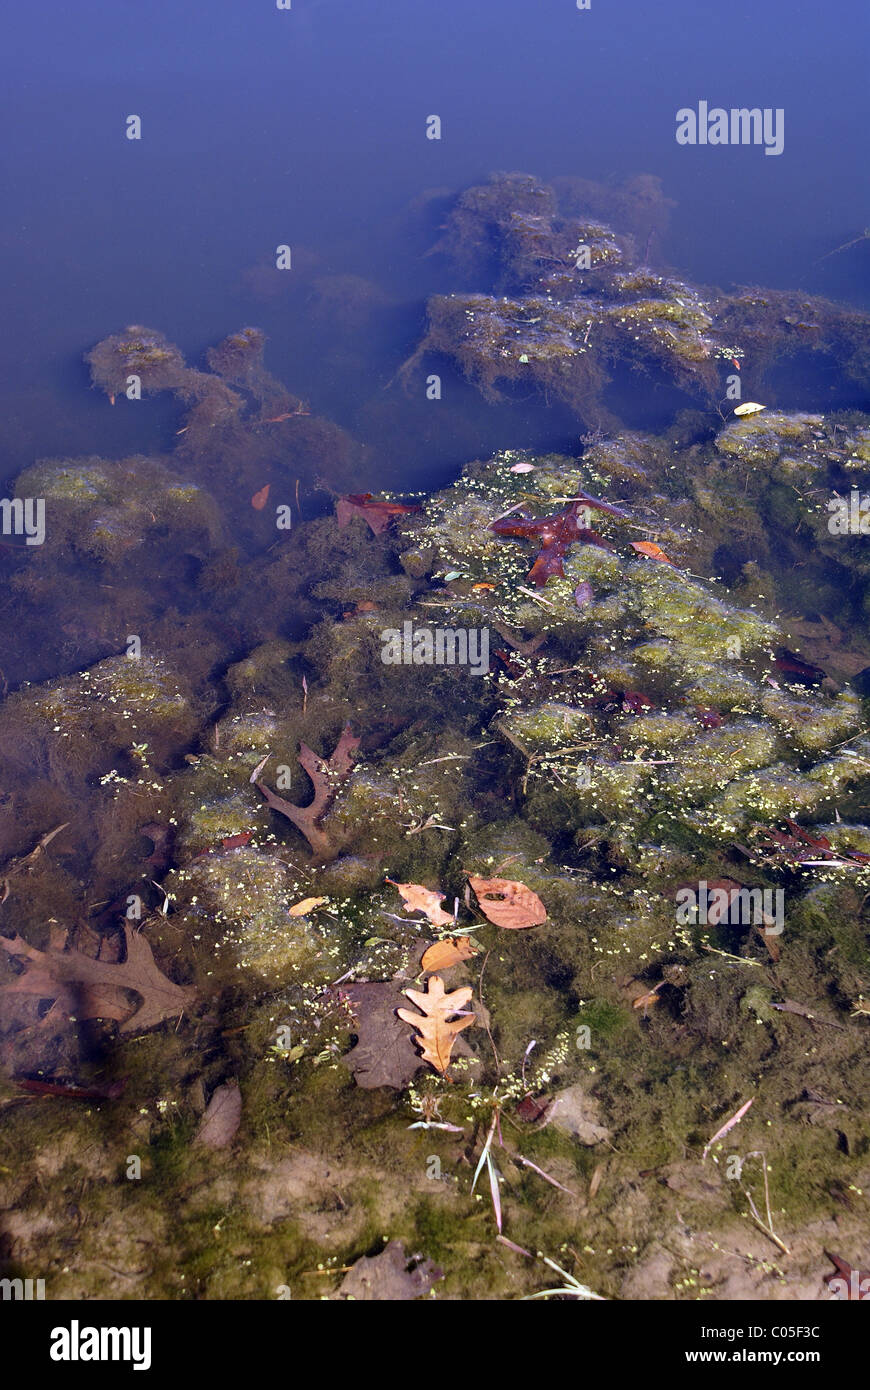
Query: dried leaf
point(446, 953)
point(259, 499)
point(654, 551)
point(93, 988)
point(436, 1026)
point(507, 903)
point(222, 1117)
point(420, 899)
point(392, 1276)
point(306, 905)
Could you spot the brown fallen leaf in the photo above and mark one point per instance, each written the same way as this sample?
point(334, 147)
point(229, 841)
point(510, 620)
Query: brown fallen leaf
point(392, 1276)
point(446, 953)
point(306, 905)
point(417, 898)
point(325, 777)
point(384, 1054)
point(259, 499)
point(222, 1117)
point(91, 988)
point(507, 903)
point(435, 1024)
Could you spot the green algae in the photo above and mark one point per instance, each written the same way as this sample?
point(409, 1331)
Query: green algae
point(552, 774)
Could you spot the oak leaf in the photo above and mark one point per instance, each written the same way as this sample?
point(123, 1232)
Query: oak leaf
point(91, 988)
point(377, 514)
point(421, 899)
point(436, 1027)
point(554, 534)
point(325, 776)
point(506, 903)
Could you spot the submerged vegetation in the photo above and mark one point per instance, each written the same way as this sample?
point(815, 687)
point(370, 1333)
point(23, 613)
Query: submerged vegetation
point(309, 951)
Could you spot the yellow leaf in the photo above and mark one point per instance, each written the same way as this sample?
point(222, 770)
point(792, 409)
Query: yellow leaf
point(437, 1034)
point(446, 953)
point(301, 909)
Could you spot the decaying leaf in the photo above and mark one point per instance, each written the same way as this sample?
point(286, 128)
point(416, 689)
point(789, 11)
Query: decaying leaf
point(392, 1276)
point(506, 903)
point(576, 1112)
point(259, 499)
point(222, 1117)
point(384, 1054)
point(446, 953)
point(377, 514)
point(325, 777)
point(436, 1025)
point(88, 988)
point(306, 905)
point(419, 899)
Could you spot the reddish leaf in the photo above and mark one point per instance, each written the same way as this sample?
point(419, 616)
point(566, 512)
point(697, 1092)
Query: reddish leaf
point(633, 702)
point(653, 551)
point(377, 515)
point(799, 672)
point(846, 1282)
point(259, 499)
point(506, 903)
point(236, 841)
point(708, 718)
point(112, 1091)
point(554, 534)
